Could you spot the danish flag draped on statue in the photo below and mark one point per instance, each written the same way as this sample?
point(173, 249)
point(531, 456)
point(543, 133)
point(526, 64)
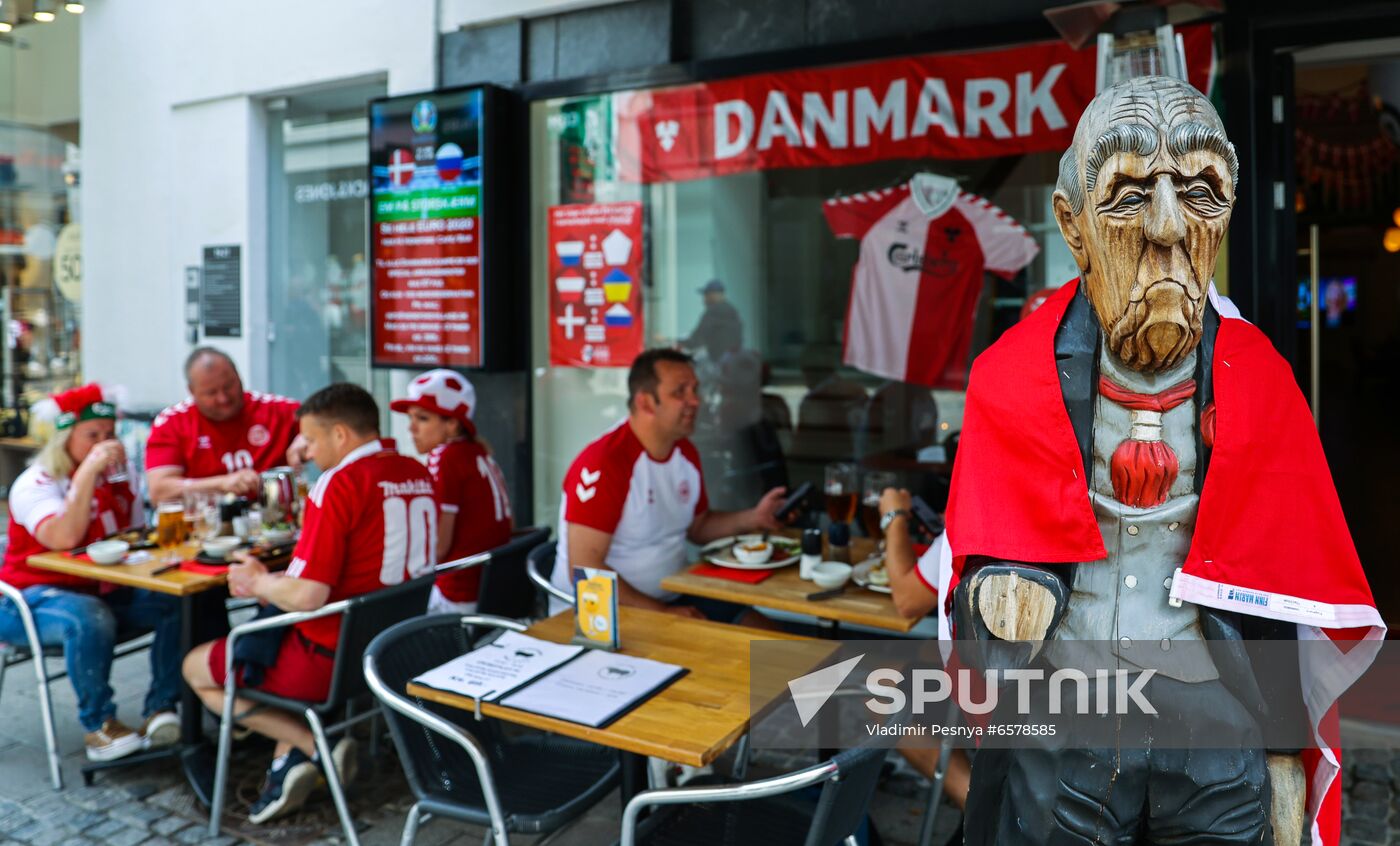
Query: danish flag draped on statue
point(983, 104)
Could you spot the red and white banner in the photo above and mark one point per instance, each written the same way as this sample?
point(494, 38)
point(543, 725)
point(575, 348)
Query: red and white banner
point(595, 285)
point(937, 106)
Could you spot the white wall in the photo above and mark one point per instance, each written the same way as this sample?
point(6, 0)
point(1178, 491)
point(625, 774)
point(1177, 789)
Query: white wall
point(174, 152)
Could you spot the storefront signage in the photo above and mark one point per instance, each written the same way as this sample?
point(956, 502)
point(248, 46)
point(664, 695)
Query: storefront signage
point(221, 293)
point(426, 220)
point(595, 285)
point(936, 106)
point(68, 262)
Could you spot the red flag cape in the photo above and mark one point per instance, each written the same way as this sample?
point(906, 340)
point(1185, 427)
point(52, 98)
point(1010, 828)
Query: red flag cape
point(1270, 539)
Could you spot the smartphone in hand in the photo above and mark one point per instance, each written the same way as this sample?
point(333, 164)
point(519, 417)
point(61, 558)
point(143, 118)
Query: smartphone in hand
point(793, 503)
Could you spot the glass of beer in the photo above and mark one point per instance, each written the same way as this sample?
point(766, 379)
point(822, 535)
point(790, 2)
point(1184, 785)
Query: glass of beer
point(875, 484)
point(840, 490)
point(170, 528)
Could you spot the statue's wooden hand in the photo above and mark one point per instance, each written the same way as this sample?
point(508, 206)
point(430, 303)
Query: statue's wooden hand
point(1289, 787)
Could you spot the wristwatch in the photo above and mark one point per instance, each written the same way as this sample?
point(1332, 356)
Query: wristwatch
point(889, 518)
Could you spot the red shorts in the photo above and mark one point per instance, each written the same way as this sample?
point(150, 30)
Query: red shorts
point(300, 672)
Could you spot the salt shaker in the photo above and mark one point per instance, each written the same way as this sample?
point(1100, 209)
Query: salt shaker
point(811, 552)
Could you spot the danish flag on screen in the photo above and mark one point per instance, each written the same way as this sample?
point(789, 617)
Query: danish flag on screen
point(401, 167)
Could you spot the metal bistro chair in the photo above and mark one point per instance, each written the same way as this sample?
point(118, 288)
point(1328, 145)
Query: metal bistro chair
point(540, 565)
point(764, 812)
point(363, 617)
point(523, 781)
point(505, 586)
point(13, 654)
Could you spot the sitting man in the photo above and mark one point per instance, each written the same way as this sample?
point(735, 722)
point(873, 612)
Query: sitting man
point(633, 497)
point(370, 522)
point(219, 438)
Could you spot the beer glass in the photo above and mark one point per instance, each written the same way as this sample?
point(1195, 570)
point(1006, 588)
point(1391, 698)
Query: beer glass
point(170, 528)
point(840, 490)
point(875, 484)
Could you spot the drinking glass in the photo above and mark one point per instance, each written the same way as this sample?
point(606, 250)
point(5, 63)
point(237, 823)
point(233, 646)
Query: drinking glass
point(197, 508)
point(840, 490)
point(875, 484)
point(170, 528)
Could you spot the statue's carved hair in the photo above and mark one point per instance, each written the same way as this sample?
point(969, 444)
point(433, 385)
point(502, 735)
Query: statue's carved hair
point(1199, 136)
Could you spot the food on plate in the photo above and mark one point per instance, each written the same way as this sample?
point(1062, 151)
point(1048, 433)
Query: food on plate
point(753, 552)
point(878, 575)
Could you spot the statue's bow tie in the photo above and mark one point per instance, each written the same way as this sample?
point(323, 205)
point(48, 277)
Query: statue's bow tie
point(1144, 467)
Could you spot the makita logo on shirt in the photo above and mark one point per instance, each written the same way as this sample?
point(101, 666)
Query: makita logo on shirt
point(907, 258)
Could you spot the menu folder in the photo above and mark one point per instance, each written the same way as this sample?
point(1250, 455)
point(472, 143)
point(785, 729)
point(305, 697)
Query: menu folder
point(596, 689)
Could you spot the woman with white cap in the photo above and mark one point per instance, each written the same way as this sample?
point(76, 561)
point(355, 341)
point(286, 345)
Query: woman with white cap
point(473, 507)
point(78, 490)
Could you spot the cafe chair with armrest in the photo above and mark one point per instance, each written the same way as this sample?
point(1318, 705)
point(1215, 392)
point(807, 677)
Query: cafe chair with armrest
point(764, 812)
point(363, 617)
point(13, 654)
point(541, 566)
point(463, 768)
point(505, 589)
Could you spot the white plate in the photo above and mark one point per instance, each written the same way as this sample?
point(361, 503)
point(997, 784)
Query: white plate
point(861, 574)
point(721, 552)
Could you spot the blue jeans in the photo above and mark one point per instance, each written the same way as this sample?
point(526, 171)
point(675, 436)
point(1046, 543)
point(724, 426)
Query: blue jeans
point(86, 627)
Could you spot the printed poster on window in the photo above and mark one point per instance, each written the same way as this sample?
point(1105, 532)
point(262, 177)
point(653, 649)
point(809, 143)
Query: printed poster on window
point(595, 285)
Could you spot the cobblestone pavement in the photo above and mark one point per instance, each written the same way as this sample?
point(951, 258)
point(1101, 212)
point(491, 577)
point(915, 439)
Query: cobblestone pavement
point(150, 805)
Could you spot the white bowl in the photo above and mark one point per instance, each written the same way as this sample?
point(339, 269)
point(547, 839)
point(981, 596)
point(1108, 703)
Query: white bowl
point(273, 537)
point(108, 551)
point(831, 574)
point(753, 556)
point(221, 546)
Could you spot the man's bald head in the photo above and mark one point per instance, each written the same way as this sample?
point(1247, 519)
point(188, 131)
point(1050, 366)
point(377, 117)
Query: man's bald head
point(214, 384)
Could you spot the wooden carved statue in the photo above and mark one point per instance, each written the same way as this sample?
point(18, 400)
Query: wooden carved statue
point(1138, 469)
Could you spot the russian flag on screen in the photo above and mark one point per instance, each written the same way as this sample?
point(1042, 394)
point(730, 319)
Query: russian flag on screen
point(618, 316)
point(449, 162)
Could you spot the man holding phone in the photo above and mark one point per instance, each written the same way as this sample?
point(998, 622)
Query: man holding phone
point(634, 497)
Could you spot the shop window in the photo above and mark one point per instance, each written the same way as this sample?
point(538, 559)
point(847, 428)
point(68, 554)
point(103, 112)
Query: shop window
point(758, 251)
point(318, 284)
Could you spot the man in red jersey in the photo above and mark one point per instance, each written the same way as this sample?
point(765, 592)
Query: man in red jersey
point(370, 522)
point(474, 509)
point(219, 438)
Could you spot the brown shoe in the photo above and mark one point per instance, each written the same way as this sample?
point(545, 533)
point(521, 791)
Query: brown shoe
point(114, 740)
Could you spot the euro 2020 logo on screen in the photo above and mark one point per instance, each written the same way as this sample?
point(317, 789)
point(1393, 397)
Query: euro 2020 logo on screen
point(424, 117)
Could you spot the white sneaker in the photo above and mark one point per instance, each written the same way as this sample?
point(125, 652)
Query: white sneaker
point(114, 740)
point(161, 729)
point(345, 757)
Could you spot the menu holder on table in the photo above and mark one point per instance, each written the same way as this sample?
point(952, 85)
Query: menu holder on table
point(499, 667)
point(595, 689)
point(595, 598)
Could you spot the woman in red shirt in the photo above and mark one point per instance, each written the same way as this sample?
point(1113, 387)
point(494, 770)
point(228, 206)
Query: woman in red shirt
point(473, 508)
point(73, 494)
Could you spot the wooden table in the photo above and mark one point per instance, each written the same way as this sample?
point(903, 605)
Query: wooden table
point(785, 590)
point(188, 587)
point(175, 582)
point(694, 720)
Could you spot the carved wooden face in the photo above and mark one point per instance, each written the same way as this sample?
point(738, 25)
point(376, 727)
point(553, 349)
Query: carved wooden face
point(1158, 185)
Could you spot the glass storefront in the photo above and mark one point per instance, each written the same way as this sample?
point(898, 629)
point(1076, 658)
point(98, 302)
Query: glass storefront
point(779, 403)
point(318, 285)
